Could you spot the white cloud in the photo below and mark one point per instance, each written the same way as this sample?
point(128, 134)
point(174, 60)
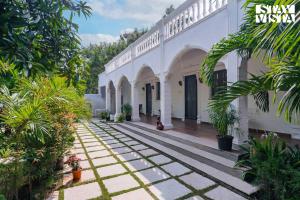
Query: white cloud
point(87, 39)
point(146, 11)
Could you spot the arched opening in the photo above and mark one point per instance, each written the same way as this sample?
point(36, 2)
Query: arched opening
point(111, 94)
point(125, 89)
point(148, 92)
point(190, 96)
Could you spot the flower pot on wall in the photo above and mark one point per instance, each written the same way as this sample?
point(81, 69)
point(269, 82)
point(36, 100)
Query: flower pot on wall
point(76, 174)
point(225, 142)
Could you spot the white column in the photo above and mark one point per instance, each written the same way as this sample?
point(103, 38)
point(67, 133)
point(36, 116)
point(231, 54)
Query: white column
point(198, 10)
point(204, 8)
point(107, 99)
point(118, 102)
point(166, 102)
point(135, 101)
point(235, 73)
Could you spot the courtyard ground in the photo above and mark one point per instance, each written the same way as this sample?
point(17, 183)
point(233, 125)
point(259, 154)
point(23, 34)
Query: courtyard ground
point(119, 167)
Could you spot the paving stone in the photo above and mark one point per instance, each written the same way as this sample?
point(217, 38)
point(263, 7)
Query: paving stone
point(111, 170)
point(169, 190)
point(125, 139)
point(116, 145)
point(195, 198)
point(89, 140)
point(151, 175)
point(114, 141)
point(140, 194)
point(91, 144)
point(137, 165)
point(104, 161)
point(77, 145)
point(91, 190)
point(87, 137)
point(131, 143)
point(95, 148)
point(139, 147)
point(148, 152)
point(197, 181)
point(160, 159)
point(175, 169)
point(99, 154)
point(120, 183)
point(106, 138)
point(85, 164)
point(121, 150)
point(221, 193)
point(76, 142)
point(120, 136)
point(78, 150)
point(86, 175)
point(81, 156)
point(129, 156)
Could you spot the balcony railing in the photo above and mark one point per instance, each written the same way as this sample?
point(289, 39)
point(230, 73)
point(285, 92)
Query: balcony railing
point(185, 16)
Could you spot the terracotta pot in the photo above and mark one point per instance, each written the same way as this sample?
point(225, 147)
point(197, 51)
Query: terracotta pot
point(76, 174)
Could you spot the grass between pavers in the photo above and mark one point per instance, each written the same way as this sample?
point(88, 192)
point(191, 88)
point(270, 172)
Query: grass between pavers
point(199, 172)
point(142, 185)
point(194, 192)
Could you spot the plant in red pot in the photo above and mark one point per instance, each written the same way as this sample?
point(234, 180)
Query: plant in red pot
point(74, 162)
point(223, 119)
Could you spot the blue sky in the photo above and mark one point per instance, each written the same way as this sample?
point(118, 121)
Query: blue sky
point(112, 17)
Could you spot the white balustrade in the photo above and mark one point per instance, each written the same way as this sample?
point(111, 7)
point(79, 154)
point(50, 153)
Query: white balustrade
point(185, 16)
point(147, 44)
point(190, 14)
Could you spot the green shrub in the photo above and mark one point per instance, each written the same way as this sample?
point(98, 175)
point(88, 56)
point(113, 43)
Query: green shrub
point(104, 115)
point(120, 118)
point(37, 120)
point(274, 166)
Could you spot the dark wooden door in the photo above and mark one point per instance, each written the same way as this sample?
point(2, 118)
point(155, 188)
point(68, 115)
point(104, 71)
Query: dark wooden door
point(191, 97)
point(148, 99)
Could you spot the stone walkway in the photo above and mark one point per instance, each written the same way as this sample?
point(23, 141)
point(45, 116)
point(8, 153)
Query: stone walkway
point(119, 167)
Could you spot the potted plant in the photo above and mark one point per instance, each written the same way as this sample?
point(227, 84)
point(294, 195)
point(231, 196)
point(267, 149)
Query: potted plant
point(223, 119)
point(127, 110)
point(105, 116)
point(73, 162)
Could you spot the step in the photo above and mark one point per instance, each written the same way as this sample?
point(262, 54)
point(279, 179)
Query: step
point(216, 174)
point(197, 142)
point(210, 158)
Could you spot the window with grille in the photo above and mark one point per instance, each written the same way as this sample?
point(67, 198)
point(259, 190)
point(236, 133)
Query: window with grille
point(219, 81)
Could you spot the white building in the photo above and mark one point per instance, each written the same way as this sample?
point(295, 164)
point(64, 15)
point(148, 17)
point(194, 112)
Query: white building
point(160, 71)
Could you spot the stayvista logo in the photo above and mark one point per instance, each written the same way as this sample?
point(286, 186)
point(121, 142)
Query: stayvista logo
point(275, 14)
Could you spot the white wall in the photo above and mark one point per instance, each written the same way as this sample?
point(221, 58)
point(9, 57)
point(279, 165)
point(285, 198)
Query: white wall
point(96, 101)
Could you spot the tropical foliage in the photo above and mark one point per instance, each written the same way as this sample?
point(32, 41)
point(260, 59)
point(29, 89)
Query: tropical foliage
point(40, 92)
point(40, 37)
point(274, 166)
point(223, 119)
point(279, 46)
point(97, 56)
point(36, 130)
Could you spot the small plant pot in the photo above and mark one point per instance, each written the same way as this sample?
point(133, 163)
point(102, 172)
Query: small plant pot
point(76, 174)
point(128, 117)
point(225, 142)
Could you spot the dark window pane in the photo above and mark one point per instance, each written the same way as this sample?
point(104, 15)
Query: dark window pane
point(219, 81)
point(157, 90)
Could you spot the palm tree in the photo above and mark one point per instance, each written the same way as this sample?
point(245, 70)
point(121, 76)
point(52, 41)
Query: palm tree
point(279, 44)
